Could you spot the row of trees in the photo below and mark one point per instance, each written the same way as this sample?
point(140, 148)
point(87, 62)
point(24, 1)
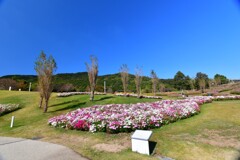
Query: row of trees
point(181, 82)
point(200, 82)
point(138, 79)
point(46, 66)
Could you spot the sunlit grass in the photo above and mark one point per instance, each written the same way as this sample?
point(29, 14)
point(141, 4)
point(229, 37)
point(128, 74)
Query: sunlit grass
point(192, 138)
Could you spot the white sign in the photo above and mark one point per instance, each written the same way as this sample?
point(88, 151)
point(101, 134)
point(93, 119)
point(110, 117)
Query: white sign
point(140, 141)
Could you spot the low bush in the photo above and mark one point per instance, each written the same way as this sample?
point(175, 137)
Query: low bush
point(7, 108)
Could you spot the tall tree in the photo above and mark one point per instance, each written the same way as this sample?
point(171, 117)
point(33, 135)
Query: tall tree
point(92, 70)
point(181, 81)
point(211, 83)
point(138, 81)
point(202, 84)
point(154, 82)
point(192, 82)
point(200, 76)
point(220, 79)
point(5, 83)
point(45, 68)
point(162, 87)
point(124, 77)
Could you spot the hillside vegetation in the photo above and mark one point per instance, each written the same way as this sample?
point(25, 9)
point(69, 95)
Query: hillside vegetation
point(79, 82)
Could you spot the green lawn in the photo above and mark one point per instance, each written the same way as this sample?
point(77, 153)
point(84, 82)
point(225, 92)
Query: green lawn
point(213, 134)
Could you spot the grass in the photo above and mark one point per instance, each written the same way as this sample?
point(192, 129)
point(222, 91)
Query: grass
point(213, 134)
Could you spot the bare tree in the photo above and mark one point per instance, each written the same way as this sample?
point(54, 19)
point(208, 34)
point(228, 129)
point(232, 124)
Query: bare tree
point(124, 77)
point(92, 75)
point(162, 87)
point(202, 84)
point(154, 82)
point(218, 80)
point(45, 67)
point(138, 80)
point(211, 83)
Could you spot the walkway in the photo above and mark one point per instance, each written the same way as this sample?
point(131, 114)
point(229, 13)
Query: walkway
point(25, 149)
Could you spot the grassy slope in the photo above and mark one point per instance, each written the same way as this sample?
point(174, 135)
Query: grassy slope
point(205, 136)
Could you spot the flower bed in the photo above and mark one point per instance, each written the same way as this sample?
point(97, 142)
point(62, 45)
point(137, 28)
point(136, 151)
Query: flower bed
point(6, 108)
point(135, 95)
point(77, 93)
point(115, 118)
point(207, 99)
point(201, 99)
point(218, 98)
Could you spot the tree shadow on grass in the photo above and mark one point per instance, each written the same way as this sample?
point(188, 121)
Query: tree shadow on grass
point(71, 106)
point(104, 98)
point(63, 103)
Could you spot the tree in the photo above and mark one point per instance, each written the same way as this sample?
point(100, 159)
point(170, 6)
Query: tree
point(200, 76)
point(211, 83)
point(45, 67)
point(92, 70)
point(138, 81)
point(202, 84)
point(192, 82)
point(162, 87)
point(5, 83)
point(181, 81)
point(124, 77)
point(67, 88)
point(217, 80)
point(220, 79)
point(154, 82)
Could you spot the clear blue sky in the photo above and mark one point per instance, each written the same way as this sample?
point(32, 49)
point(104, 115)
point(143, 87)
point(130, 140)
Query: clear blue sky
point(165, 35)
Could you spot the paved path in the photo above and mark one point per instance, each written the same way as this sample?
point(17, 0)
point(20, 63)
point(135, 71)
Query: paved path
point(25, 149)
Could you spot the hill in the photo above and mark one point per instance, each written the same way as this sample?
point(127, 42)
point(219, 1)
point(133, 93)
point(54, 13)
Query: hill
point(79, 82)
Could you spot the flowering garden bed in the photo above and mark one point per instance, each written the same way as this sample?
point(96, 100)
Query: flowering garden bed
point(135, 95)
point(114, 118)
point(66, 94)
point(219, 98)
point(6, 108)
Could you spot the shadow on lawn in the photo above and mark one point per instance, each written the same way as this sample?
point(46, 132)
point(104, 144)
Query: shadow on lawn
point(104, 98)
point(67, 102)
point(72, 106)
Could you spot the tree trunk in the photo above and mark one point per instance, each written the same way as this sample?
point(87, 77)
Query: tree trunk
point(40, 103)
point(125, 93)
point(92, 95)
point(139, 93)
point(46, 106)
point(202, 90)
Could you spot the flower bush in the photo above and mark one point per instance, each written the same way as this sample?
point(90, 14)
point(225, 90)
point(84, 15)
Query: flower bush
point(115, 118)
point(66, 94)
point(135, 95)
point(200, 99)
point(6, 108)
point(218, 98)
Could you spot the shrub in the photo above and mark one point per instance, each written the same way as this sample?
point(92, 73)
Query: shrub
point(7, 108)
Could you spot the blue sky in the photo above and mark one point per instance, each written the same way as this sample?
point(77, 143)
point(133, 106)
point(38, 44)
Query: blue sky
point(164, 35)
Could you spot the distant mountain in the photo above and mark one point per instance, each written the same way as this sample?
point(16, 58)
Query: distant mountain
point(79, 82)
